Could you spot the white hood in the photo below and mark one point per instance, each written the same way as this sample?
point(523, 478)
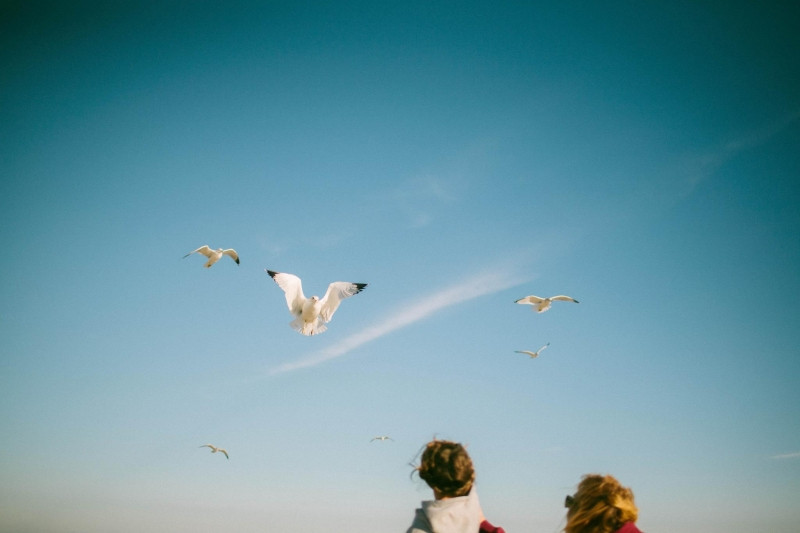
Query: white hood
point(452, 515)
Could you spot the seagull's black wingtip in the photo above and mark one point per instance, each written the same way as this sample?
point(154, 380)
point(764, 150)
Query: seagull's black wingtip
point(360, 286)
point(271, 273)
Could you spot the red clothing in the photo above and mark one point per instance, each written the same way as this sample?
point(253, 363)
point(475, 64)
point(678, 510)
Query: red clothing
point(487, 527)
point(627, 527)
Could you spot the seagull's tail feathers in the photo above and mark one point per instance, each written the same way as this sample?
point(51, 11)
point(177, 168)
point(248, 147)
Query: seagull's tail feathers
point(315, 328)
point(297, 325)
point(308, 328)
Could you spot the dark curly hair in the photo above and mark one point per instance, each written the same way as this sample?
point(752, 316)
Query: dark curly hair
point(447, 468)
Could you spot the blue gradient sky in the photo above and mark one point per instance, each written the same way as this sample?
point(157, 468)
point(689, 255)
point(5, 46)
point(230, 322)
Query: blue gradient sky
point(455, 156)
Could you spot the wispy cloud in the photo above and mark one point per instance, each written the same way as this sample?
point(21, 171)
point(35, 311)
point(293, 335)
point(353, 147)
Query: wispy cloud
point(479, 285)
point(420, 198)
point(793, 455)
point(679, 178)
point(707, 164)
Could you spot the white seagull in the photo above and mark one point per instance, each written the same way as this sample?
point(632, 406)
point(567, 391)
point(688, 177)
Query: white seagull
point(214, 255)
point(214, 449)
point(382, 438)
point(312, 313)
point(533, 354)
point(543, 304)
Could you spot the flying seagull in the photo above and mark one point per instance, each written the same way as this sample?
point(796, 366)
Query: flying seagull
point(382, 438)
point(214, 255)
point(533, 354)
point(214, 449)
point(312, 313)
point(543, 304)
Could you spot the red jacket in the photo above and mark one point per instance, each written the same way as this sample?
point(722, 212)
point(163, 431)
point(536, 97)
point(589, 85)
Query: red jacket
point(487, 527)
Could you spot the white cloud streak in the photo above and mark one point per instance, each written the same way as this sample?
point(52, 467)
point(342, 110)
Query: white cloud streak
point(793, 455)
point(470, 289)
point(707, 164)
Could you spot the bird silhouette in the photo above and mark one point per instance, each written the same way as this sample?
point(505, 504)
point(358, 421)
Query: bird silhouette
point(540, 305)
point(533, 354)
point(214, 255)
point(313, 313)
point(214, 449)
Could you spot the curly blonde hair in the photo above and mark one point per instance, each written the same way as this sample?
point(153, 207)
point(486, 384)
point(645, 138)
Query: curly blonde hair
point(447, 468)
point(601, 505)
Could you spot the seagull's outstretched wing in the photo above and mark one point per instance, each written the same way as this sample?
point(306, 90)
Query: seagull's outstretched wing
point(562, 298)
point(337, 291)
point(293, 288)
point(526, 352)
point(532, 300)
point(543, 347)
point(208, 446)
point(205, 250)
point(224, 452)
point(232, 254)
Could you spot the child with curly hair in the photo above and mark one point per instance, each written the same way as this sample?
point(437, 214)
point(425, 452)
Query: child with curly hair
point(601, 505)
point(447, 469)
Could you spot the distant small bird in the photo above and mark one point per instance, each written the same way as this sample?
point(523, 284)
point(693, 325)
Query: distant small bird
point(214, 255)
point(543, 304)
point(312, 313)
point(214, 449)
point(382, 438)
point(533, 354)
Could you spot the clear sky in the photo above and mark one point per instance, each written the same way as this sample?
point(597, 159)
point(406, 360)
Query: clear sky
point(641, 157)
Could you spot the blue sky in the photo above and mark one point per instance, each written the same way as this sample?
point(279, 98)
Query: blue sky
point(457, 156)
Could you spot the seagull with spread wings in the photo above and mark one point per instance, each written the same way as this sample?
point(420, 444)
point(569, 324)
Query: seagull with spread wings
point(313, 313)
point(214, 255)
point(533, 354)
point(382, 438)
point(214, 449)
point(540, 305)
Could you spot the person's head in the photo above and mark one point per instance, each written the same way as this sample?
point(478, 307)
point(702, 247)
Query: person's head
point(447, 469)
point(601, 505)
